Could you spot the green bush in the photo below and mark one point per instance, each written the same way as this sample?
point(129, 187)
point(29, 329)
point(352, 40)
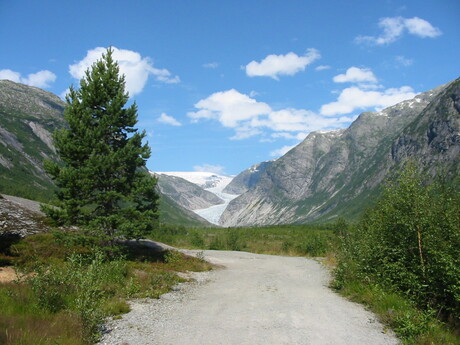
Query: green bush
point(409, 242)
point(234, 240)
point(196, 239)
point(81, 284)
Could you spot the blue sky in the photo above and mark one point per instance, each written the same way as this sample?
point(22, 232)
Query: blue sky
point(223, 85)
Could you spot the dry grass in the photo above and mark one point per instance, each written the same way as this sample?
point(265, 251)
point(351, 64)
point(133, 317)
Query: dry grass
point(62, 328)
point(7, 274)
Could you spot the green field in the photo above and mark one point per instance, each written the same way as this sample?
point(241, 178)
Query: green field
point(296, 240)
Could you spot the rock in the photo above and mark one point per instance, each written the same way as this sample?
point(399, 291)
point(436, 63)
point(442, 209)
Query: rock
point(19, 221)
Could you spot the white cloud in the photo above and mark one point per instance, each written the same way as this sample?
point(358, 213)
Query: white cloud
point(282, 151)
point(394, 27)
point(41, 79)
point(230, 108)
point(353, 98)
point(212, 65)
point(253, 94)
point(288, 120)
point(356, 75)
point(136, 68)
point(420, 27)
point(297, 136)
point(216, 169)
point(275, 65)
point(249, 117)
point(169, 120)
point(401, 60)
point(301, 121)
point(322, 67)
point(245, 132)
point(64, 93)
point(367, 94)
point(10, 75)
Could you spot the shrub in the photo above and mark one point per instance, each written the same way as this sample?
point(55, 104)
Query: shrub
point(409, 242)
point(81, 284)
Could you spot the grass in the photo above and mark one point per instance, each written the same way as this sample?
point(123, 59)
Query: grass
point(410, 324)
point(74, 287)
point(293, 240)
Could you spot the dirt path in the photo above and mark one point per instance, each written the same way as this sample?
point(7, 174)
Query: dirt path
point(255, 299)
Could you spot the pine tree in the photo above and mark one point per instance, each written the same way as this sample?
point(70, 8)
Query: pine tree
point(103, 184)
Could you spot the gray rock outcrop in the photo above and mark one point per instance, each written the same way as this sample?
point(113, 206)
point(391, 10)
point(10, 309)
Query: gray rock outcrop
point(247, 179)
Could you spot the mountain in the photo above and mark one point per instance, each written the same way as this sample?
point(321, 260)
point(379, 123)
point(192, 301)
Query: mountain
point(173, 213)
point(185, 193)
point(203, 179)
point(247, 179)
point(338, 173)
point(202, 192)
point(28, 116)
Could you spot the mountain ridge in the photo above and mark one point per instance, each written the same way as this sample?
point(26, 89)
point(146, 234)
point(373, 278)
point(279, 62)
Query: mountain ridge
point(330, 174)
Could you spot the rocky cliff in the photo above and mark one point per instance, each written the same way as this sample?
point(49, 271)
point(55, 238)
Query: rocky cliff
point(247, 179)
point(339, 172)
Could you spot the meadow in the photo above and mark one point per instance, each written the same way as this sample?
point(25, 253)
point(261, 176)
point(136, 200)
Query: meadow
point(293, 240)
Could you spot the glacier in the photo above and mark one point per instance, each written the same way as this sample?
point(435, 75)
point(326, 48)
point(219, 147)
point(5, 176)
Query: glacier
point(213, 183)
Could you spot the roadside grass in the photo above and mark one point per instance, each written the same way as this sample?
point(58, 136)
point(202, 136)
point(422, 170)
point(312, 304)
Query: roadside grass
point(69, 288)
point(412, 325)
point(293, 240)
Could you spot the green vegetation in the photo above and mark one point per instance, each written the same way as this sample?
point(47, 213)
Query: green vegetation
point(403, 258)
point(172, 213)
point(68, 287)
point(27, 116)
point(20, 176)
point(310, 240)
point(103, 183)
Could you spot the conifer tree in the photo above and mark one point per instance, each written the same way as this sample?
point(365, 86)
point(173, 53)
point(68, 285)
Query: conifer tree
point(102, 182)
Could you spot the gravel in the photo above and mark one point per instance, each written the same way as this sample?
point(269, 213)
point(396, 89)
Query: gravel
point(253, 299)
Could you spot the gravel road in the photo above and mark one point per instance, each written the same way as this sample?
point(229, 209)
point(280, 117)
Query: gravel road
point(254, 299)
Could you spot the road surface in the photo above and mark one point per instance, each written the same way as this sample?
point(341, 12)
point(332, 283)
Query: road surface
point(254, 299)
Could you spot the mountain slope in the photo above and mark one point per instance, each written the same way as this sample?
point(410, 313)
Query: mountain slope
point(28, 116)
point(173, 213)
point(247, 179)
point(339, 172)
point(185, 193)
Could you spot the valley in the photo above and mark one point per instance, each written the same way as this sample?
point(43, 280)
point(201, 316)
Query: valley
point(309, 202)
point(230, 172)
point(209, 182)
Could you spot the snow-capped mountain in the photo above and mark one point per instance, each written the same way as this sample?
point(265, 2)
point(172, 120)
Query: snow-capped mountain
point(206, 182)
point(203, 179)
